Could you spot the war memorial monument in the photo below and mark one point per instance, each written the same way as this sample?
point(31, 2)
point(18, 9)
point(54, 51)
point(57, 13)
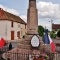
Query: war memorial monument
point(32, 45)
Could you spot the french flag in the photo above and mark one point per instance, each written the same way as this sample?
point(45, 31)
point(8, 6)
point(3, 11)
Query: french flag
point(47, 40)
point(2, 42)
point(53, 47)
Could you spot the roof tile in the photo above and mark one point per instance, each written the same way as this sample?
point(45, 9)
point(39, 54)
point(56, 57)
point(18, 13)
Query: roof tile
point(8, 16)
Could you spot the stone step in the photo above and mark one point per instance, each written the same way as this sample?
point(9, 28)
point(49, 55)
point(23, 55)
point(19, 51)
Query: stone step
point(27, 37)
point(28, 41)
point(22, 46)
point(24, 42)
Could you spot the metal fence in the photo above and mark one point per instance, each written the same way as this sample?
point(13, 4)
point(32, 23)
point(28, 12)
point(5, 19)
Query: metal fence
point(19, 56)
point(2, 50)
point(23, 56)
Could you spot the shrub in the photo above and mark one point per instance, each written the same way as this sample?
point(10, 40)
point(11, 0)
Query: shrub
point(58, 33)
point(52, 34)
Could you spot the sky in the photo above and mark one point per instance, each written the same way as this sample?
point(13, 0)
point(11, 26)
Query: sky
point(47, 10)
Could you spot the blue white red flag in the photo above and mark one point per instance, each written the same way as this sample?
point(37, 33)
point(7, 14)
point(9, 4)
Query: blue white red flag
point(53, 47)
point(47, 40)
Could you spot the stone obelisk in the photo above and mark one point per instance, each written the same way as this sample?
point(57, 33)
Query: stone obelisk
point(32, 18)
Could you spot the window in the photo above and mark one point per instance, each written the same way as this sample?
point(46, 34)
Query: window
point(25, 26)
point(18, 34)
point(18, 25)
point(12, 24)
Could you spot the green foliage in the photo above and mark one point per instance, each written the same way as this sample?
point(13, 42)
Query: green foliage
point(40, 30)
point(58, 33)
point(43, 56)
point(52, 34)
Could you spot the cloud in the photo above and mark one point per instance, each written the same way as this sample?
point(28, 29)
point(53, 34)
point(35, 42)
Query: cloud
point(48, 10)
point(13, 11)
point(45, 24)
point(24, 17)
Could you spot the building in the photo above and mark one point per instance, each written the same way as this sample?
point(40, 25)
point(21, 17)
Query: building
point(12, 27)
point(55, 27)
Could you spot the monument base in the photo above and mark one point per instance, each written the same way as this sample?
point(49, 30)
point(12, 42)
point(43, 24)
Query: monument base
point(24, 49)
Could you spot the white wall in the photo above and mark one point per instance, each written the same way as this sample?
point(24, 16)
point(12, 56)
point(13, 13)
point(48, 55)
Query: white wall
point(23, 30)
point(5, 29)
point(15, 28)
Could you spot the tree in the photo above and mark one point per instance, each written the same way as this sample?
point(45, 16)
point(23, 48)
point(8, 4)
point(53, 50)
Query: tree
point(52, 34)
point(58, 33)
point(40, 30)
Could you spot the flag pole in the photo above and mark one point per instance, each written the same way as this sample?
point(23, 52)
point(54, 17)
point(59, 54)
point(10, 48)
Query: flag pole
point(44, 43)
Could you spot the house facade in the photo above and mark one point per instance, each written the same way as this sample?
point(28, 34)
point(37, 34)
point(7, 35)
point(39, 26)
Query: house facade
point(55, 27)
point(12, 27)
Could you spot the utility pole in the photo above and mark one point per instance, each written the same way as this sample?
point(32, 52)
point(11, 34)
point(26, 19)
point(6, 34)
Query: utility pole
point(51, 24)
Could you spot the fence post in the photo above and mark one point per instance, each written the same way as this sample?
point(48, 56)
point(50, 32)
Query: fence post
point(8, 58)
point(57, 57)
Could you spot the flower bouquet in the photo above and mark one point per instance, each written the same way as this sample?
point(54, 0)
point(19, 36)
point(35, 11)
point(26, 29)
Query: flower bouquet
point(43, 56)
point(39, 57)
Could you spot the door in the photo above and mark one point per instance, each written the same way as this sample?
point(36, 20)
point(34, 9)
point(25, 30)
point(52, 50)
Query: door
point(12, 35)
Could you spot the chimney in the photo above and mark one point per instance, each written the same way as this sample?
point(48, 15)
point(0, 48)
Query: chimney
point(1, 9)
point(1, 12)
